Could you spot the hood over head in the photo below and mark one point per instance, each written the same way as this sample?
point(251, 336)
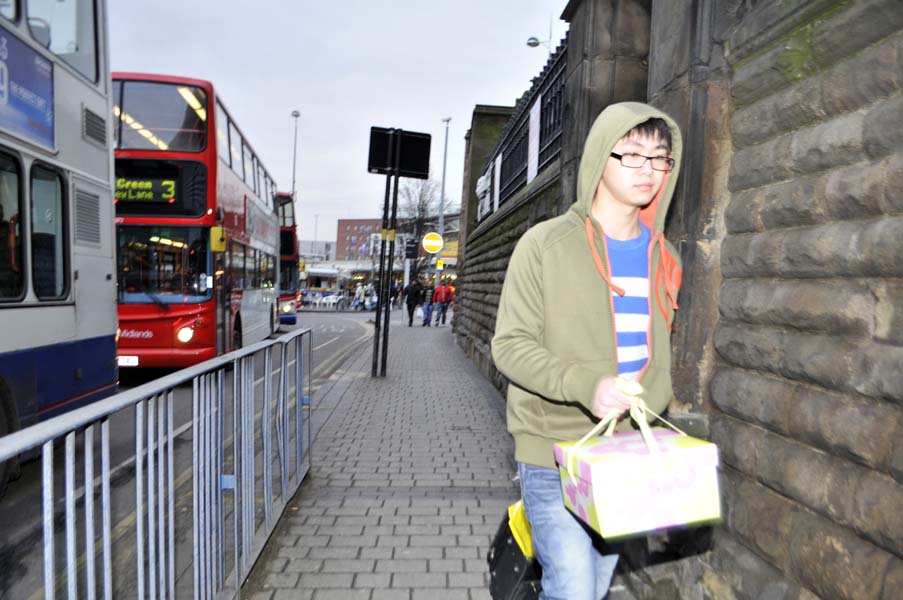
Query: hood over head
point(611, 125)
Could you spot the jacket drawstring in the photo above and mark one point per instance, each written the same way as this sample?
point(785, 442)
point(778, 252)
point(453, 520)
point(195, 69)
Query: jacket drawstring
point(598, 260)
point(668, 272)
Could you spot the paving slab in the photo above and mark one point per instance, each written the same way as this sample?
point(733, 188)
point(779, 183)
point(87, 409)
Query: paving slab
point(411, 475)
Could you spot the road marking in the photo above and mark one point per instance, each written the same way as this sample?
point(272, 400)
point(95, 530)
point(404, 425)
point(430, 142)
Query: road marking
point(324, 344)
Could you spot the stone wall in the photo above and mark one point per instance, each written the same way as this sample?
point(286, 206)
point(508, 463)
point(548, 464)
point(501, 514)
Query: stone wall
point(809, 377)
point(789, 218)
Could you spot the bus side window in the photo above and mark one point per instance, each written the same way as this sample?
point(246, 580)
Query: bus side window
point(236, 266)
point(48, 246)
point(11, 277)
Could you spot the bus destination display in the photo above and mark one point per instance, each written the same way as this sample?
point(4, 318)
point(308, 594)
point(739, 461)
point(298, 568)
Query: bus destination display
point(145, 190)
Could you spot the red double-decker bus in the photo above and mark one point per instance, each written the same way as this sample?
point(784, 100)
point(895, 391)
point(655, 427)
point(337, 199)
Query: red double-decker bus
point(288, 258)
point(196, 225)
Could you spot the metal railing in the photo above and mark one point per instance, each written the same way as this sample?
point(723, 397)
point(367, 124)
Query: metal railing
point(258, 462)
point(513, 145)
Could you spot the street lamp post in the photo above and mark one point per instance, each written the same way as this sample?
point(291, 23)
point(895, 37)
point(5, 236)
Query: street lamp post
point(534, 41)
point(446, 120)
point(295, 115)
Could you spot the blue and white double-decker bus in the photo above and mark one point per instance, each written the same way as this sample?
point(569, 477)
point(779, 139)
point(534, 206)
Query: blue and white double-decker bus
point(57, 268)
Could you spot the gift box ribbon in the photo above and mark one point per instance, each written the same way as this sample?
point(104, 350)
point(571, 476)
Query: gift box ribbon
point(638, 412)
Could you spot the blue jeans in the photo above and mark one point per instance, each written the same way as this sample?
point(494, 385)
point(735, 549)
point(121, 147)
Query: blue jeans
point(427, 313)
point(572, 568)
point(441, 310)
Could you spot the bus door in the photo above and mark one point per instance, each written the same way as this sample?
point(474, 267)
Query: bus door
point(222, 302)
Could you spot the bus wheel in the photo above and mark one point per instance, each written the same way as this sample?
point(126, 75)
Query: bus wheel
point(236, 334)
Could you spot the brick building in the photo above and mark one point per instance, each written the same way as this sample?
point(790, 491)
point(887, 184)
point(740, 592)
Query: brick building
point(352, 237)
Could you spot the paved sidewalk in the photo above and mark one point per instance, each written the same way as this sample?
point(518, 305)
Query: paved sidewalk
point(411, 476)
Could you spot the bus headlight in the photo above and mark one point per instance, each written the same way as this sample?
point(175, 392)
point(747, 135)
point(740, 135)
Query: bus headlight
point(185, 334)
point(287, 307)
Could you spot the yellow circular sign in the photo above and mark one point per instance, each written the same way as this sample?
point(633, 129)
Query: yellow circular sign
point(432, 242)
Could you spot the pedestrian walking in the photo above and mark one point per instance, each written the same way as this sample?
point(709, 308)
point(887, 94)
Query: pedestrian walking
point(441, 301)
point(412, 294)
point(589, 296)
point(427, 305)
point(358, 303)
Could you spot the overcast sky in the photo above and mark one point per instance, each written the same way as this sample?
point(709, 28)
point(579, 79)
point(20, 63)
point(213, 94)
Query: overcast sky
point(346, 66)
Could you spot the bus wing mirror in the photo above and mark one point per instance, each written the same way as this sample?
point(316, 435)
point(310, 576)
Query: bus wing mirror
point(217, 239)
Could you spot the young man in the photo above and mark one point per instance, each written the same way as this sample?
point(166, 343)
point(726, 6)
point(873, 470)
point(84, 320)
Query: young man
point(589, 296)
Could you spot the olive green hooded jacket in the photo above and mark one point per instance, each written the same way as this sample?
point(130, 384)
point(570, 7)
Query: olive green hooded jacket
point(555, 337)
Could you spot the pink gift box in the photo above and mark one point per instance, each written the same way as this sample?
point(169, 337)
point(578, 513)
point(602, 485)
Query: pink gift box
point(621, 488)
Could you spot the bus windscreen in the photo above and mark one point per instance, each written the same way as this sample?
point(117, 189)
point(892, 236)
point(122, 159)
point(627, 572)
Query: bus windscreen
point(164, 265)
point(160, 116)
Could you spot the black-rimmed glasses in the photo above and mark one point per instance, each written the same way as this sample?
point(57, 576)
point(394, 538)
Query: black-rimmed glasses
point(632, 160)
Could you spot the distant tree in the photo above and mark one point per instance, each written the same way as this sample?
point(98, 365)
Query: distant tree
point(418, 211)
point(418, 205)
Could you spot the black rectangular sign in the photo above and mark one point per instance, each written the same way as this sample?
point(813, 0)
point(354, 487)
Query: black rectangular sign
point(414, 161)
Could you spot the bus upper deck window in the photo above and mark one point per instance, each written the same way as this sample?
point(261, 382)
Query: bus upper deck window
point(67, 28)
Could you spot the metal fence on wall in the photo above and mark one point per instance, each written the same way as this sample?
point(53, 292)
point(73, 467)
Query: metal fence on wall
point(507, 168)
point(205, 483)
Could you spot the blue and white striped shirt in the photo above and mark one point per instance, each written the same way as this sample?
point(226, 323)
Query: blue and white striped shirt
point(629, 260)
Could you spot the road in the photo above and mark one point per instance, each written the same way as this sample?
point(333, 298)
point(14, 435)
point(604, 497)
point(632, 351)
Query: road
point(335, 336)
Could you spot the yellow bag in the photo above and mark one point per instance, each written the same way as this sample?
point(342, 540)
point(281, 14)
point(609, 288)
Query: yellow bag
point(520, 528)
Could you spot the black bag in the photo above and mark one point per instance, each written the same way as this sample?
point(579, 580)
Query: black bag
point(512, 576)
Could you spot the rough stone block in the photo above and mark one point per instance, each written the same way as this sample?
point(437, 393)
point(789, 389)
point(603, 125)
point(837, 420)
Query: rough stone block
point(757, 255)
point(760, 517)
point(761, 164)
point(893, 578)
point(834, 562)
point(751, 348)
point(742, 214)
point(788, 109)
point(842, 307)
point(788, 61)
point(858, 25)
point(862, 79)
point(835, 142)
point(747, 575)
point(738, 443)
point(883, 133)
point(877, 510)
point(792, 203)
point(856, 249)
point(818, 359)
point(856, 191)
point(878, 371)
point(888, 313)
point(862, 429)
point(893, 184)
point(748, 396)
point(845, 493)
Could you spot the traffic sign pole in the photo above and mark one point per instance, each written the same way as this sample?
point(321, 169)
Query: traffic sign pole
point(386, 288)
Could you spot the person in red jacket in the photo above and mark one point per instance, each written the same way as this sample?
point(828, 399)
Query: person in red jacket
point(442, 297)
